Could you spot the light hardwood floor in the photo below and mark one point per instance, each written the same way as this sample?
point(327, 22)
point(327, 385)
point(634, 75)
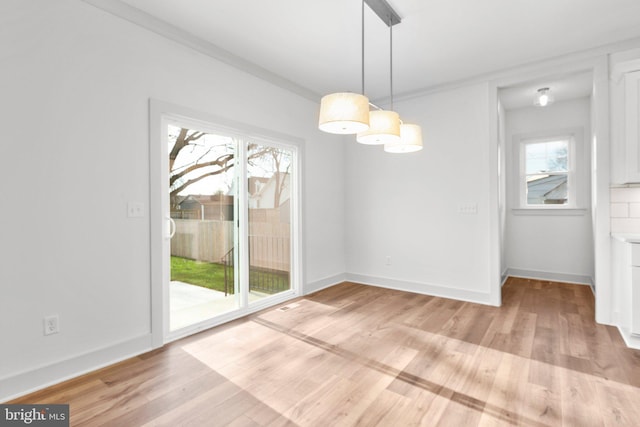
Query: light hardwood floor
point(360, 355)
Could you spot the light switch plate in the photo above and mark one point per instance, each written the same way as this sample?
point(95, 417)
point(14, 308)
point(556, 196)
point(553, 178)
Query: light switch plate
point(135, 210)
point(468, 208)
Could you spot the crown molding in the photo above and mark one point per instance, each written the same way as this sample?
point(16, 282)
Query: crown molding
point(568, 63)
point(516, 73)
point(171, 32)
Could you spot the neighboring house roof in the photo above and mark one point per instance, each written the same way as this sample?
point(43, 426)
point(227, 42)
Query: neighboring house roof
point(547, 189)
point(179, 199)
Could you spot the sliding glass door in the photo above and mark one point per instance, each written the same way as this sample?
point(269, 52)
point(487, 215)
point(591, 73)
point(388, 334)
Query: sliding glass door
point(231, 213)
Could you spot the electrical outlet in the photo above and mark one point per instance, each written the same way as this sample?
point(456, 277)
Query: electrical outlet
point(387, 260)
point(51, 325)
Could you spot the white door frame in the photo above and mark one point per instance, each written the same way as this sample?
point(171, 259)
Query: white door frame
point(160, 115)
point(600, 166)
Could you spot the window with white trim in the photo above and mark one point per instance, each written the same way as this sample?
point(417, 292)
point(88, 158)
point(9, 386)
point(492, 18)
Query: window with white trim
point(547, 172)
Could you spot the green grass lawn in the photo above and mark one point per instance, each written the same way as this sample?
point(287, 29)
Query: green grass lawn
point(211, 275)
point(205, 274)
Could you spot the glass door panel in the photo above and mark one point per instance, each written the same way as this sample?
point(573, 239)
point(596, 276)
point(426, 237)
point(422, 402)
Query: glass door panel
point(202, 198)
point(269, 171)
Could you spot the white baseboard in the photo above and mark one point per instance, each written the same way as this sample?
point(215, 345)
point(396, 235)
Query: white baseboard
point(616, 317)
point(551, 276)
point(503, 277)
point(36, 379)
point(327, 282)
point(632, 341)
point(422, 288)
point(23, 383)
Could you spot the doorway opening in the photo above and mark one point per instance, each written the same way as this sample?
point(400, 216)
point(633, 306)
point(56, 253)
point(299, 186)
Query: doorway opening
point(546, 193)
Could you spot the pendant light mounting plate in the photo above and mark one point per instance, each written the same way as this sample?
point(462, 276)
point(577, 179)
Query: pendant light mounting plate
point(384, 11)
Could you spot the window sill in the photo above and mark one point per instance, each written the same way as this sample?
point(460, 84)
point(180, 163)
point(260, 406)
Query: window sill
point(550, 211)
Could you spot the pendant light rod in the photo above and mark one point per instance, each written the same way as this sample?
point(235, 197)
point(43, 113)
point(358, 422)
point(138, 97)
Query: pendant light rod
point(391, 60)
point(362, 48)
point(384, 11)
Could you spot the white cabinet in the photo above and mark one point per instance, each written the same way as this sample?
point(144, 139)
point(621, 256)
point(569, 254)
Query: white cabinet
point(634, 297)
point(632, 125)
point(625, 122)
point(625, 252)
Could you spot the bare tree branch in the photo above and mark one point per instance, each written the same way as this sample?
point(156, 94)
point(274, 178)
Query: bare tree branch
point(182, 140)
point(198, 178)
point(220, 161)
point(195, 136)
point(188, 171)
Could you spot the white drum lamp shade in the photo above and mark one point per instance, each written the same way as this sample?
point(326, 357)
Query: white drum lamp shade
point(410, 140)
point(344, 113)
point(384, 128)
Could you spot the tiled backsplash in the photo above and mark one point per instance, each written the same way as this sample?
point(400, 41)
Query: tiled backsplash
point(625, 210)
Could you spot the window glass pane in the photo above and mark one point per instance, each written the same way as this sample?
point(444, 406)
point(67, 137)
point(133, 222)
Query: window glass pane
point(547, 189)
point(269, 202)
point(201, 197)
point(545, 157)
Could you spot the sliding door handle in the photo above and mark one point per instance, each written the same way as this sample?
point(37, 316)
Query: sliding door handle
point(172, 227)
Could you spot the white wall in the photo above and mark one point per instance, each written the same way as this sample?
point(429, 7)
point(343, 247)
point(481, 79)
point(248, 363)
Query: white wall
point(557, 247)
point(406, 206)
point(502, 189)
point(75, 84)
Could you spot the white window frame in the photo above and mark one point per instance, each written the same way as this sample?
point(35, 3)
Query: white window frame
point(576, 179)
point(571, 180)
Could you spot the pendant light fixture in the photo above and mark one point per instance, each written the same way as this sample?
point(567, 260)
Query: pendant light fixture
point(410, 138)
point(543, 97)
point(346, 112)
point(384, 125)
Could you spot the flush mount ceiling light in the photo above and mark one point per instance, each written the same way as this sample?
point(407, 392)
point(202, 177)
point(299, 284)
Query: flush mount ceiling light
point(543, 97)
point(341, 113)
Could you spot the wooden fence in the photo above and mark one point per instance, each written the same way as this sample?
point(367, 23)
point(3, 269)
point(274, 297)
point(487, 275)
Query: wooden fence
point(206, 240)
point(210, 240)
point(270, 246)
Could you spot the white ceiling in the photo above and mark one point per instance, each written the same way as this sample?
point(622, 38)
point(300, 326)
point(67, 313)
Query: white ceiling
point(562, 88)
point(316, 44)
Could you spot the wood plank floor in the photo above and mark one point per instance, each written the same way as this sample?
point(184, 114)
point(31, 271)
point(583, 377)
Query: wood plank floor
point(359, 355)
